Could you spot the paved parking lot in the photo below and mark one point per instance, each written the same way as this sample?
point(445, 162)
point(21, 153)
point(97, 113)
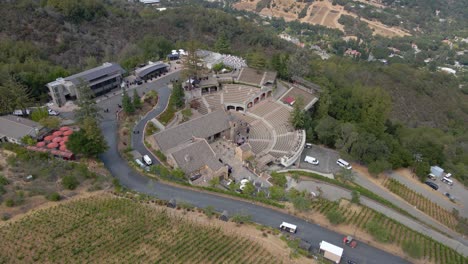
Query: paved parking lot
point(326, 157)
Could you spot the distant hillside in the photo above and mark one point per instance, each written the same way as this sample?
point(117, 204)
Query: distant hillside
point(326, 13)
point(41, 40)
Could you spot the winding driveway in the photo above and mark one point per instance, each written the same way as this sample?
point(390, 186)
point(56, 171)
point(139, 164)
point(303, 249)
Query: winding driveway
point(266, 216)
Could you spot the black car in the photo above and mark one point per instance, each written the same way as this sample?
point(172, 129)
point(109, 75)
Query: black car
point(432, 185)
point(195, 177)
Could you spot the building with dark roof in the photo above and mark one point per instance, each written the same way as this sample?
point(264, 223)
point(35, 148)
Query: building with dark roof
point(210, 126)
point(14, 128)
point(101, 80)
point(153, 69)
point(198, 157)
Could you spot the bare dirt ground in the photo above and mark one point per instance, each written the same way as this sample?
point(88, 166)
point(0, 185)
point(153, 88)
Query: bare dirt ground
point(319, 13)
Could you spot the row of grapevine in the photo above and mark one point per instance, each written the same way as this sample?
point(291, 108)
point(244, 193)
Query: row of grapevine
point(422, 203)
point(105, 229)
point(399, 234)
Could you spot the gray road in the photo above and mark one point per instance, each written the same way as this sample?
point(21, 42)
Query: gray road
point(135, 181)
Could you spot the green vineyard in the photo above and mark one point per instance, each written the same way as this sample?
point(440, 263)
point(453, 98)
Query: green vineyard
point(399, 234)
point(117, 230)
point(422, 203)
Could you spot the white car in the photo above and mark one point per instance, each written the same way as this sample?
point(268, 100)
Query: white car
point(311, 160)
point(244, 182)
point(52, 112)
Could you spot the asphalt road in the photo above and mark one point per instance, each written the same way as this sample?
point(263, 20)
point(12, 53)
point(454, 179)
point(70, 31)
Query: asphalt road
point(140, 183)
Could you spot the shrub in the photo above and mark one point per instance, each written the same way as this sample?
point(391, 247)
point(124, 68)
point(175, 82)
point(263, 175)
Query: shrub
point(301, 203)
point(54, 197)
point(9, 202)
point(335, 217)
point(209, 211)
point(6, 216)
point(241, 218)
point(414, 250)
point(355, 197)
point(161, 156)
point(381, 234)
point(70, 182)
point(3, 180)
point(278, 179)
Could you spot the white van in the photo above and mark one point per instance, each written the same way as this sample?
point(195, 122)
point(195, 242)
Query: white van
point(147, 160)
point(344, 164)
point(311, 160)
point(288, 227)
point(447, 181)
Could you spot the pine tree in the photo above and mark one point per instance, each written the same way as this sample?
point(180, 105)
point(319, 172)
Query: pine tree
point(297, 118)
point(127, 104)
point(179, 95)
point(136, 100)
point(222, 44)
point(86, 103)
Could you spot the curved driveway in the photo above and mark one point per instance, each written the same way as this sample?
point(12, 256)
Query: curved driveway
point(140, 183)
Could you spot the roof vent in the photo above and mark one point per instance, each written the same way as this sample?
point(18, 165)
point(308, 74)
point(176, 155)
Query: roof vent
point(187, 158)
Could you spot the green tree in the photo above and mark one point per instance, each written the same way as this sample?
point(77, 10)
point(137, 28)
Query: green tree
point(297, 118)
point(379, 166)
point(249, 189)
point(301, 203)
point(87, 107)
point(335, 217)
point(326, 130)
point(178, 94)
point(222, 44)
point(256, 60)
point(50, 122)
point(279, 63)
point(193, 65)
point(28, 140)
point(277, 193)
point(13, 95)
point(39, 113)
point(127, 104)
point(88, 141)
point(347, 135)
point(136, 100)
point(278, 179)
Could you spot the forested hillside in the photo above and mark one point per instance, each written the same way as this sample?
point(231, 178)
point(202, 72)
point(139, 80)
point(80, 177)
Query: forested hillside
point(41, 40)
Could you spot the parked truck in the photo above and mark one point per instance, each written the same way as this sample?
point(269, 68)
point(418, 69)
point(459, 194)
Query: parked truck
point(331, 251)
